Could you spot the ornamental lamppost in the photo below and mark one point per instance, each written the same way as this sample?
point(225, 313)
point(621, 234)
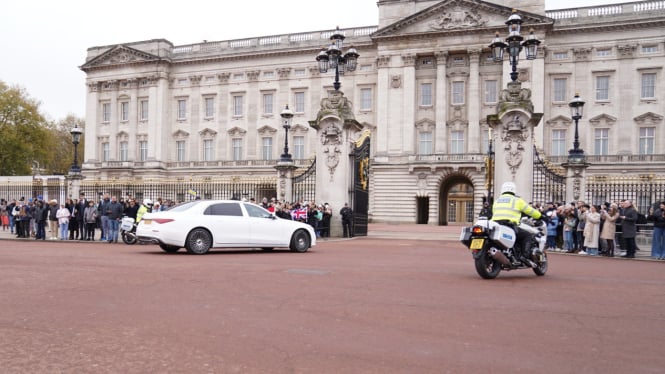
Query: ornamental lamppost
point(76, 139)
point(287, 116)
point(576, 155)
point(333, 58)
point(514, 44)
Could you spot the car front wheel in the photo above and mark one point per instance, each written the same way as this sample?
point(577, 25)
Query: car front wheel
point(300, 241)
point(198, 241)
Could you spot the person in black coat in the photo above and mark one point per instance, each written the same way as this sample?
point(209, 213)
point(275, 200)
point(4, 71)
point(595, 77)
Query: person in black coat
point(629, 228)
point(657, 216)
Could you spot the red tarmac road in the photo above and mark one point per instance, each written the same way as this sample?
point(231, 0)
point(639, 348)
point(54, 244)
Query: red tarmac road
point(366, 305)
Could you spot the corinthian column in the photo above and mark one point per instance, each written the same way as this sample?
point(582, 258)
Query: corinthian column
point(441, 108)
point(474, 102)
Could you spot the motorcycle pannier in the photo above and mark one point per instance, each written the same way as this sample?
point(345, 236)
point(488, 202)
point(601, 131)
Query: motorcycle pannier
point(503, 235)
point(127, 223)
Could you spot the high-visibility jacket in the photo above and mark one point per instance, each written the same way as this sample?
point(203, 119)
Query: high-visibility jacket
point(142, 210)
point(510, 208)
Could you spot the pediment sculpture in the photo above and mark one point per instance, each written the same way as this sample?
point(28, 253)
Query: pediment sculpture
point(458, 18)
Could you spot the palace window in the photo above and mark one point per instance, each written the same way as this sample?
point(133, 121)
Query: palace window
point(266, 149)
point(267, 103)
point(143, 110)
point(601, 141)
point(106, 151)
point(182, 109)
point(124, 151)
point(236, 148)
point(299, 100)
point(426, 94)
point(649, 48)
point(298, 147)
point(647, 140)
point(209, 107)
point(208, 150)
point(180, 150)
point(602, 88)
point(237, 105)
point(648, 86)
point(560, 56)
point(560, 94)
point(558, 142)
point(366, 99)
point(425, 140)
point(491, 94)
point(457, 142)
point(106, 112)
point(143, 150)
point(458, 93)
point(604, 52)
point(124, 111)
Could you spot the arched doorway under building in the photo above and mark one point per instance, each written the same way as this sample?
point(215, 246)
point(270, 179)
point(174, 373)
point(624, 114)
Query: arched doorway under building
point(456, 201)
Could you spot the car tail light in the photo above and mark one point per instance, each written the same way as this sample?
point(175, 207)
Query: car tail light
point(163, 220)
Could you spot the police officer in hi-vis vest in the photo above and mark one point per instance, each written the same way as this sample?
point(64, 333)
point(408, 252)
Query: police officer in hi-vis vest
point(508, 209)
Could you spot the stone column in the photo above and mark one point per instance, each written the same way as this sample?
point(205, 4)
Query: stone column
point(441, 108)
point(474, 98)
point(336, 129)
point(513, 131)
point(408, 104)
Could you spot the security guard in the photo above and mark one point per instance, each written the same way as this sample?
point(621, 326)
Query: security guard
point(508, 209)
point(146, 207)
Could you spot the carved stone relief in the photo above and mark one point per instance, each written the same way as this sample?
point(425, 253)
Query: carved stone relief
point(515, 133)
point(331, 140)
point(458, 18)
point(396, 81)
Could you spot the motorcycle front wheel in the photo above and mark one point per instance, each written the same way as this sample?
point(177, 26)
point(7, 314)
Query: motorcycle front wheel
point(486, 266)
point(541, 269)
point(128, 238)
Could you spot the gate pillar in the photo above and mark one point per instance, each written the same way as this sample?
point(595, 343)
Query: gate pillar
point(285, 180)
point(513, 133)
point(575, 180)
point(335, 127)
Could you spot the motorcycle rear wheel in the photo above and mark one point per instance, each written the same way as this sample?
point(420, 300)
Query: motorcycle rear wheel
point(128, 238)
point(487, 267)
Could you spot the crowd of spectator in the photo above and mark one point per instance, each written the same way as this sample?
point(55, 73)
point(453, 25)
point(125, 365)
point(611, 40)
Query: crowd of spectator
point(90, 220)
point(599, 230)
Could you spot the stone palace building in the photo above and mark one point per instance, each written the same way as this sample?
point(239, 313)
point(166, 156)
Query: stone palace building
point(424, 86)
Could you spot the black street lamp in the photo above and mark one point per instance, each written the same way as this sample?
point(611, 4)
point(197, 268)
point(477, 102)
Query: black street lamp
point(514, 44)
point(287, 116)
point(334, 59)
point(576, 109)
point(76, 139)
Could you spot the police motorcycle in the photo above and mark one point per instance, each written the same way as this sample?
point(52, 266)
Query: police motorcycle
point(492, 246)
point(128, 230)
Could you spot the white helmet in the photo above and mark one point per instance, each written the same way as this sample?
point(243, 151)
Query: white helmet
point(147, 202)
point(508, 187)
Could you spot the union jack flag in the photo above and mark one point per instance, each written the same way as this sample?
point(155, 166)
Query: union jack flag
point(298, 214)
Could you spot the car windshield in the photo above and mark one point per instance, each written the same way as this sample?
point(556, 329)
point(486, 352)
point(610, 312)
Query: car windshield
point(184, 206)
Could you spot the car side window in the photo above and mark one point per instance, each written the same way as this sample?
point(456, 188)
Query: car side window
point(256, 211)
point(224, 209)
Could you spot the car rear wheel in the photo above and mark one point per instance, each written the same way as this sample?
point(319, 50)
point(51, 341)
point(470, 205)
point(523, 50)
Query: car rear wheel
point(300, 241)
point(169, 248)
point(198, 241)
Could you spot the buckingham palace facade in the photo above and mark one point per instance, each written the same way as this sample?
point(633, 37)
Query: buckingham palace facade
point(424, 86)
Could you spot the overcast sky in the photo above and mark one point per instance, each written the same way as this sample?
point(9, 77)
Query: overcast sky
point(43, 42)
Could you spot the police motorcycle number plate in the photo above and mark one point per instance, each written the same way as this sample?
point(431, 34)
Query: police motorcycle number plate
point(477, 243)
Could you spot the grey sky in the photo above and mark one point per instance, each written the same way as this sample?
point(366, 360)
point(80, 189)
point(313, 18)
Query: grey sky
point(44, 41)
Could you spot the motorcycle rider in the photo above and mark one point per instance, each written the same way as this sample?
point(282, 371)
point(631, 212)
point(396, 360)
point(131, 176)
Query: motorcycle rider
point(146, 207)
point(508, 209)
